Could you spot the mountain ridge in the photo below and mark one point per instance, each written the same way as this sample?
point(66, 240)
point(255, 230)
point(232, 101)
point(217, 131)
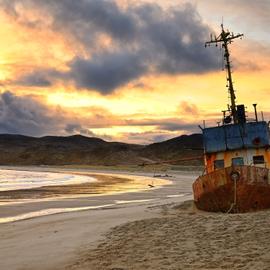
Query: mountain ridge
point(81, 150)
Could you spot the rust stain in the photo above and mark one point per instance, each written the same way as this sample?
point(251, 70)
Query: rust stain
point(215, 191)
point(210, 158)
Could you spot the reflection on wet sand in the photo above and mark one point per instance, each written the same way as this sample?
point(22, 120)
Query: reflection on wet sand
point(39, 197)
point(106, 184)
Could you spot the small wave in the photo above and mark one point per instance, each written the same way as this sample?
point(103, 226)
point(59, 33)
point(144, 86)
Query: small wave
point(16, 180)
point(50, 211)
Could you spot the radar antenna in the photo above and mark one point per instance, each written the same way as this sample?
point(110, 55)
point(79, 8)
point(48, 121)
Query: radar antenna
point(226, 38)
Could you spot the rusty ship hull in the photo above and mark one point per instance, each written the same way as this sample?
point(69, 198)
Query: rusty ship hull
point(218, 191)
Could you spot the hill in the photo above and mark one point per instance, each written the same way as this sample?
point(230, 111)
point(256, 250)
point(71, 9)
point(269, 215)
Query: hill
point(80, 150)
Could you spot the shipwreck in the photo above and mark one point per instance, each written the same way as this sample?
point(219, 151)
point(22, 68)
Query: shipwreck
point(236, 153)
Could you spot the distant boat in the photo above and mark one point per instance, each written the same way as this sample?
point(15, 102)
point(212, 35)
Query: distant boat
point(236, 154)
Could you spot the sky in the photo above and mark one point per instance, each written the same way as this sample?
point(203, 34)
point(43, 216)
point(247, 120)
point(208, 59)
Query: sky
point(126, 70)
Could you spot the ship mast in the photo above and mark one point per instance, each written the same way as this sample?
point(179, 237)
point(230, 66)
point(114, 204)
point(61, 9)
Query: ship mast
point(226, 38)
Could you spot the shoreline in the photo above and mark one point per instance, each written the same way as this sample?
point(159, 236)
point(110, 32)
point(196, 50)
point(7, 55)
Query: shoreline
point(60, 238)
point(106, 183)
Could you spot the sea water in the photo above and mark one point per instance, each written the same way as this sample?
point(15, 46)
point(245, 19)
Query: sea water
point(16, 180)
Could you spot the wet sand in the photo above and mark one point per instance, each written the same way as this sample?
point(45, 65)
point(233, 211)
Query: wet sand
point(105, 184)
point(184, 238)
point(46, 200)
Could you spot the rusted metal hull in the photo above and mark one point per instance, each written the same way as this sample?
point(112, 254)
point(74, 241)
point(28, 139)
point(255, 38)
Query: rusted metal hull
point(218, 191)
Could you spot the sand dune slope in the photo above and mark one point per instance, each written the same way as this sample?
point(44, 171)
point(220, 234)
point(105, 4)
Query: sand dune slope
point(182, 238)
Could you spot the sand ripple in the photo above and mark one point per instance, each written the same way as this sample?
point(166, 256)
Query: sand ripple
point(183, 238)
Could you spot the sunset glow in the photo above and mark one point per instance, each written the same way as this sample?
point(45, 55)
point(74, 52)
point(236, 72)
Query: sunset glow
point(139, 73)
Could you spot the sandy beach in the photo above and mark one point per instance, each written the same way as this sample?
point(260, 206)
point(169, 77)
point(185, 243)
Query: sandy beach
point(183, 238)
point(151, 229)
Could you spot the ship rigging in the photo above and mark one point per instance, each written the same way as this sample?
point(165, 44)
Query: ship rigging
point(225, 38)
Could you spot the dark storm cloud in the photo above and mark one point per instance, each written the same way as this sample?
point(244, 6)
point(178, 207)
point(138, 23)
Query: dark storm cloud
point(106, 72)
point(27, 116)
point(22, 115)
point(146, 39)
point(82, 19)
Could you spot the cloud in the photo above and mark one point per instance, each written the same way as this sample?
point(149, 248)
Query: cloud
point(256, 10)
point(28, 116)
point(187, 108)
point(144, 39)
point(184, 127)
point(248, 16)
point(36, 78)
point(165, 124)
point(147, 137)
point(82, 19)
point(24, 115)
point(75, 128)
point(106, 72)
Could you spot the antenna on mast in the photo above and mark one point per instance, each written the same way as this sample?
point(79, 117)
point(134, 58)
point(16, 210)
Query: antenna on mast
point(226, 38)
